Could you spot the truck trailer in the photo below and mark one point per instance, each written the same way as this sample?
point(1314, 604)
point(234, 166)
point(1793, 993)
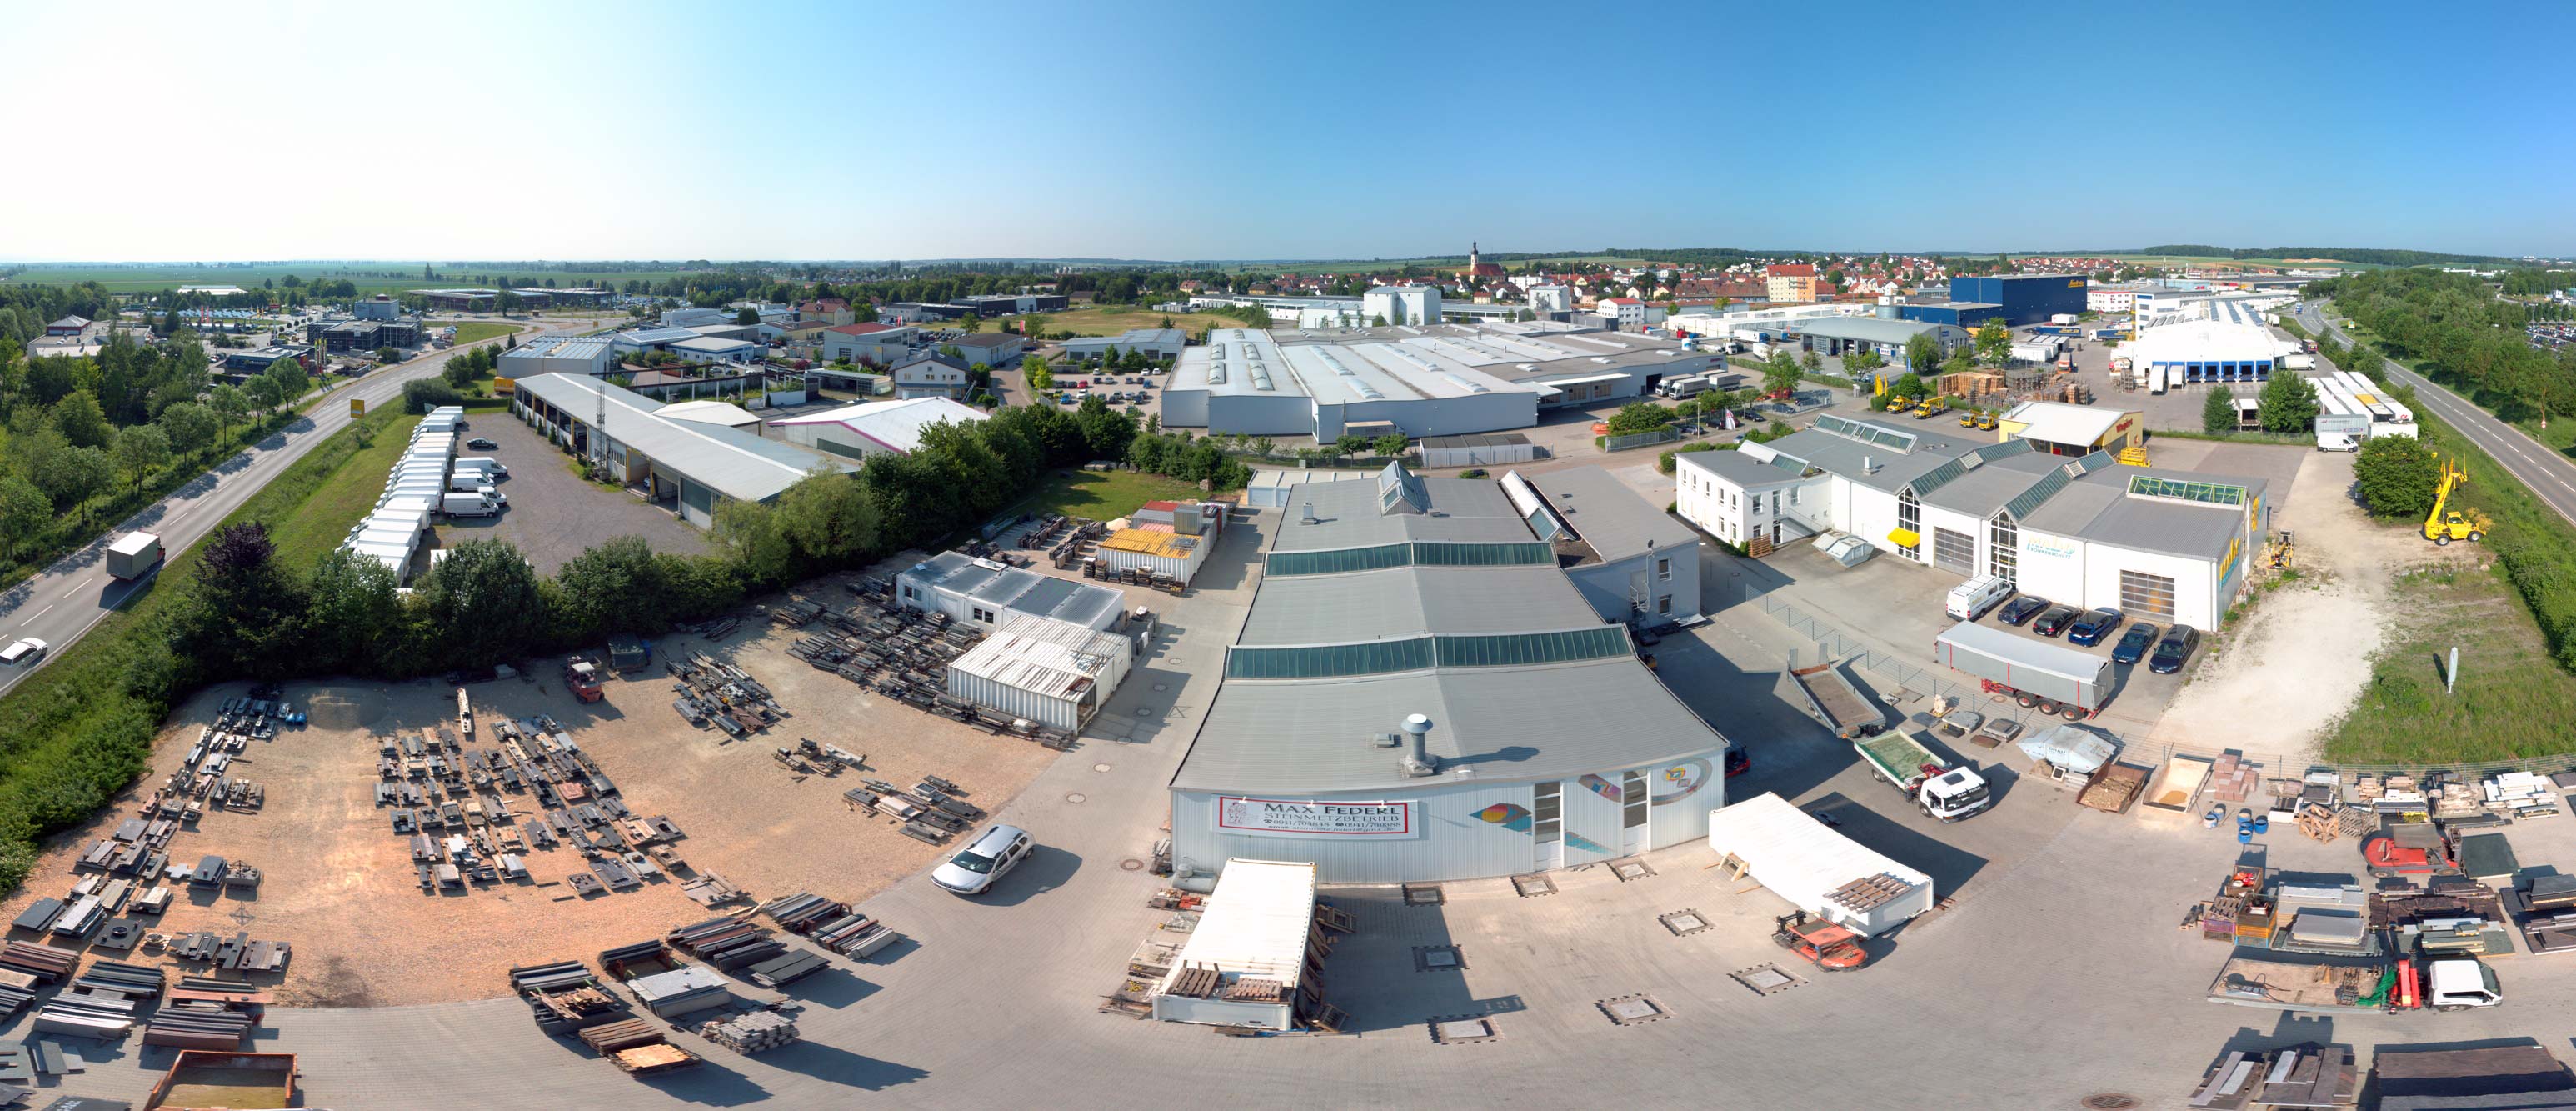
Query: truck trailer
point(1830, 698)
point(2035, 675)
point(2445, 984)
point(134, 555)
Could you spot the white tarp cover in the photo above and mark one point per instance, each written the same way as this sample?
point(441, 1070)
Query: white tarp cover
point(2070, 748)
point(1804, 861)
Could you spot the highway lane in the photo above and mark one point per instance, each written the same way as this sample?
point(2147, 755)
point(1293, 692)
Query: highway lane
point(2550, 475)
point(75, 594)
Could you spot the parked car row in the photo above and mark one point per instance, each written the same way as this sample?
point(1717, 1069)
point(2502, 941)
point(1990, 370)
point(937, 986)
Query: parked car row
point(2164, 652)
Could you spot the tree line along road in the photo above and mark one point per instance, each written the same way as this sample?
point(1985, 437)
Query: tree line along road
point(75, 594)
point(2550, 475)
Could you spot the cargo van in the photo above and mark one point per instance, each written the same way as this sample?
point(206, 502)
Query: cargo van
point(485, 463)
point(1971, 599)
point(474, 484)
point(469, 505)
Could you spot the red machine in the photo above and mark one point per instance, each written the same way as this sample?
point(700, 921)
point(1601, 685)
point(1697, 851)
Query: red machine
point(1824, 944)
point(2386, 857)
point(581, 677)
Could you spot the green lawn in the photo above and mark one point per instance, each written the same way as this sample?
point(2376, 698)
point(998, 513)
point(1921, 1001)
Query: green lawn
point(343, 496)
point(472, 330)
point(2512, 700)
point(1104, 495)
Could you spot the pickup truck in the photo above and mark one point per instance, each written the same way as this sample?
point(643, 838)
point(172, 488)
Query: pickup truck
point(1831, 699)
point(2445, 984)
point(1944, 792)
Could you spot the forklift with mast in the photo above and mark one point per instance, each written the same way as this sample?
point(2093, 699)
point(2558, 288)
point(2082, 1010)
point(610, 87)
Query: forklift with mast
point(2445, 524)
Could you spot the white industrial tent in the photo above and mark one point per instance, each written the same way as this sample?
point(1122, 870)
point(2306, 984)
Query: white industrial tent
point(1253, 937)
point(1816, 868)
point(1038, 668)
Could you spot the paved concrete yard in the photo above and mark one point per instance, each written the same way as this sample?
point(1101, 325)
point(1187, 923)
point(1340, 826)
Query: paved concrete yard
point(553, 515)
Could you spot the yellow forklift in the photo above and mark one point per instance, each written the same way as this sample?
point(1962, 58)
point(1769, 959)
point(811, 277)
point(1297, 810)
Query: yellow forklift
point(2443, 524)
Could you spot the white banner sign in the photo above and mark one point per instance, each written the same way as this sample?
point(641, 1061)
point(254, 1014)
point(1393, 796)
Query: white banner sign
point(1376, 821)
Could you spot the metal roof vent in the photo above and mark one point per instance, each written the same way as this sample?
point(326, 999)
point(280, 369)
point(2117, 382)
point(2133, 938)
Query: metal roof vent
point(1309, 518)
point(1389, 740)
point(1418, 760)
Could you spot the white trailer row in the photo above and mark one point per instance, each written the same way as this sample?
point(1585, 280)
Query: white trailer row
point(415, 491)
point(2351, 409)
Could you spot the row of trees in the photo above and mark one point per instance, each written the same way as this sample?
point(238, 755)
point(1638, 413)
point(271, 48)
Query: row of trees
point(2457, 331)
point(249, 616)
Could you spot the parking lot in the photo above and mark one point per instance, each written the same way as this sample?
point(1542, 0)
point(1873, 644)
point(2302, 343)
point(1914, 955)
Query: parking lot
point(553, 514)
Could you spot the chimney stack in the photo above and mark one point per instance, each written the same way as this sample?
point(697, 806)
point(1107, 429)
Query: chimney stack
point(1418, 760)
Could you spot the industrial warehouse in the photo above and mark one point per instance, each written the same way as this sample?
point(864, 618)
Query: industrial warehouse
point(1419, 693)
point(2169, 546)
point(1444, 380)
point(689, 465)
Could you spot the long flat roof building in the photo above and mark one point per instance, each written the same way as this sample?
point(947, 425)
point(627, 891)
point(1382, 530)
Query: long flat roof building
point(1420, 693)
point(691, 464)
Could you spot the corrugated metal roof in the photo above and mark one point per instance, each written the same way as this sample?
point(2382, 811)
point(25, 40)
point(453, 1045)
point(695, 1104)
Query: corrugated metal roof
point(559, 347)
point(1256, 925)
point(1054, 658)
point(1153, 543)
point(1348, 515)
point(1016, 589)
point(1329, 609)
point(732, 463)
point(1616, 521)
point(895, 424)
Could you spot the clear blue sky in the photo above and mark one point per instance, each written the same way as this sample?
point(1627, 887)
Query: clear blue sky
point(1218, 130)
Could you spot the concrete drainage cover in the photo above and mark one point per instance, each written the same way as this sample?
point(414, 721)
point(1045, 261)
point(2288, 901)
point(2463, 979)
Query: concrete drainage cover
point(1629, 1010)
point(1076, 797)
point(1461, 1031)
point(1423, 895)
point(1131, 864)
point(1767, 979)
point(1628, 870)
point(2110, 1101)
point(1161, 687)
point(1100, 767)
point(1533, 885)
point(1144, 711)
point(1684, 923)
point(1438, 958)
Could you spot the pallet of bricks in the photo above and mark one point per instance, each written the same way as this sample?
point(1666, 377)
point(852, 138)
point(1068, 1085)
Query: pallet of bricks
point(830, 923)
point(201, 1013)
point(102, 1002)
point(751, 1033)
point(2232, 780)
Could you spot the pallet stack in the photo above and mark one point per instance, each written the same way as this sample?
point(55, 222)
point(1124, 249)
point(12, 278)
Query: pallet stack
point(564, 997)
point(727, 943)
point(830, 923)
point(636, 1047)
point(751, 1033)
point(2232, 780)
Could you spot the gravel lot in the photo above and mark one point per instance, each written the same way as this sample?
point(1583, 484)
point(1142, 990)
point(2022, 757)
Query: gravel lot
point(339, 884)
point(553, 514)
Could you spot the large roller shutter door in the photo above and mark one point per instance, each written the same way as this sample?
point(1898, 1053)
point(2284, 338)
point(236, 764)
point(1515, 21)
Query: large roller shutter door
point(2145, 595)
point(1954, 551)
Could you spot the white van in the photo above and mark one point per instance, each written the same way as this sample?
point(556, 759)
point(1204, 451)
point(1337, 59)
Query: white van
point(1971, 599)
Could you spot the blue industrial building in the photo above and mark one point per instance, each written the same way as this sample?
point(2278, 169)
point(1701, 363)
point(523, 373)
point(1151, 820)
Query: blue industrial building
point(2025, 298)
point(1957, 314)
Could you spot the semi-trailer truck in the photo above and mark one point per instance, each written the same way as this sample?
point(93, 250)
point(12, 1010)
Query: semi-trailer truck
point(2045, 677)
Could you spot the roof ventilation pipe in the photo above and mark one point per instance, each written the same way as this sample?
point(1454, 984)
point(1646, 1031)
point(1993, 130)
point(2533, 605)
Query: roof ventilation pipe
point(1309, 518)
point(1868, 464)
point(1418, 760)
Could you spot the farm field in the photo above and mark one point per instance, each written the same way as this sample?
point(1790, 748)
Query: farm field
point(370, 277)
point(472, 330)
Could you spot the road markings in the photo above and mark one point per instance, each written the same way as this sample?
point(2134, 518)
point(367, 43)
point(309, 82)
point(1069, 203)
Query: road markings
point(39, 613)
point(78, 589)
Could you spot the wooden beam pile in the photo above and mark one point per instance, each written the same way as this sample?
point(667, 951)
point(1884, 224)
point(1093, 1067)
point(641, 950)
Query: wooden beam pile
point(637, 1048)
point(564, 997)
point(751, 1033)
point(727, 943)
point(830, 923)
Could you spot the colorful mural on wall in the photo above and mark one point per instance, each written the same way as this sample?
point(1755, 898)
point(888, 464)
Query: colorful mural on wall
point(1680, 781)
point(1508, 816)
point(1577, 841)
point(1600, 786)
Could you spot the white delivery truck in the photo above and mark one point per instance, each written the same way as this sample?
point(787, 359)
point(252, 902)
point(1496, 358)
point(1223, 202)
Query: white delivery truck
point(468, 505)
point(483, 463)
point(1685, 387)
point(475, 484)
point(133, 555)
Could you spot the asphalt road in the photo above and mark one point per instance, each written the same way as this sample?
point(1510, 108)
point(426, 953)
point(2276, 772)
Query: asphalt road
point(75, 594)
point(2550, 475)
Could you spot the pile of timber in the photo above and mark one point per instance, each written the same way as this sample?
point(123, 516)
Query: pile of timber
point(795, 612)
point(751, 1033)
point(564, 997)
point(636, 1047)
point(727, 943)
point(830, 923)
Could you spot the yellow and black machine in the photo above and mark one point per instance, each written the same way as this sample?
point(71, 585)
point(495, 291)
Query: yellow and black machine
point(2445, 524)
